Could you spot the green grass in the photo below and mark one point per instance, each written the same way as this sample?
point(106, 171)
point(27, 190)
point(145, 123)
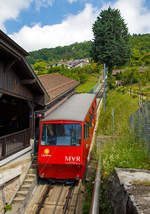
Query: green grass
point(123, 151)
point(89, 84)
point(123, 105)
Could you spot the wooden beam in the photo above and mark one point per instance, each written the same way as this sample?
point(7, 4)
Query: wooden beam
point(9, 65)
point(28, 81)
point(7, 50)
point(11, 93)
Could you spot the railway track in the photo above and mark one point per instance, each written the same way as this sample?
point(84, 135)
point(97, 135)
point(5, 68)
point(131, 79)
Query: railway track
point(56, 199)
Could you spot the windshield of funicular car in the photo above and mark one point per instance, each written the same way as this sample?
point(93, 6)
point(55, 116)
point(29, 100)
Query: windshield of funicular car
point(56, 134)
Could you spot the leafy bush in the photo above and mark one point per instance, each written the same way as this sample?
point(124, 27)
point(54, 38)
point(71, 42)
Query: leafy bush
point(79, 73)
point(7, 207)
point(131, 75)
point(111, 82)
point(42, 72)
point(121, 89)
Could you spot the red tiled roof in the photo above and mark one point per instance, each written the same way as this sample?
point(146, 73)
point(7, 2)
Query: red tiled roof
point(56, 84)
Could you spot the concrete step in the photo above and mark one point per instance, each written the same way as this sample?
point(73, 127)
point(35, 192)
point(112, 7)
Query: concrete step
point(25, 187)
point(28, 181)
point(19, 199)
point(31, 175)
point(22, 193)
point(32, 171)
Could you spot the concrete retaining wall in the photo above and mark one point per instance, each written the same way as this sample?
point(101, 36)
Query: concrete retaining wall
point(129, 191)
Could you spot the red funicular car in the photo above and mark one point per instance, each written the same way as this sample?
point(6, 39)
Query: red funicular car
point(65, 137)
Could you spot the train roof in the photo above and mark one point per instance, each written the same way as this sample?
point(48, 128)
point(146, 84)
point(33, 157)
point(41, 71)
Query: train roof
point(75, 108)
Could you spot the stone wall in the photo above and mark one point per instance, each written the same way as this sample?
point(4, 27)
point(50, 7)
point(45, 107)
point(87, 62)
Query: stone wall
point(129, 191)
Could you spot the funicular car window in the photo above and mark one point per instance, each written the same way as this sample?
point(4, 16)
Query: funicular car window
point(61, 134)
point(86, 130)
point(87, 125)
point(92, 112)
point(90, 119)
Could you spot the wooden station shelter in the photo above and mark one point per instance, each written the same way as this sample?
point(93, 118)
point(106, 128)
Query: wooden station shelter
point(21, 94)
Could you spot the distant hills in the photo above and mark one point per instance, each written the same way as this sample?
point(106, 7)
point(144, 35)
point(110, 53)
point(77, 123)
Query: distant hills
point(140, 42)
point(74, 51)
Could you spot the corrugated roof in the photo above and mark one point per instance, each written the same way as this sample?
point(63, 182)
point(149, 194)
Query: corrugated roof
point(56, 84)
point(75, 108)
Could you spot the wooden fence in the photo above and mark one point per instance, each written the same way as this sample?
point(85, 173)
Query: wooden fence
point(12, 143)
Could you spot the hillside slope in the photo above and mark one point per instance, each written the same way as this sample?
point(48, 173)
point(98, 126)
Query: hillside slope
point(82, 50)
point(74, 51)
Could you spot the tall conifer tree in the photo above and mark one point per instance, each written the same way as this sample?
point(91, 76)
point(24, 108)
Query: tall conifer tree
point(111, 39)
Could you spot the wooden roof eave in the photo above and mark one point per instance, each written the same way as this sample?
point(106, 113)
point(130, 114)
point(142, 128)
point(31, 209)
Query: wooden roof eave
point(11, 45)
point(13, 49)
point(37, 82)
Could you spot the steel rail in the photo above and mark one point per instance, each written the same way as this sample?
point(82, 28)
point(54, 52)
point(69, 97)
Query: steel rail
point(68, 199)
point(40, 205)
point(56, 205)
point(77, 198)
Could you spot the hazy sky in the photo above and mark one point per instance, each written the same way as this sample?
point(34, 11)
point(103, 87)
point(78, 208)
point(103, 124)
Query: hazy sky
point(36, 24)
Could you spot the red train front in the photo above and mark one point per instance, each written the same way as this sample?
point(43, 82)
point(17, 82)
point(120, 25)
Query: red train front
point(65, 137)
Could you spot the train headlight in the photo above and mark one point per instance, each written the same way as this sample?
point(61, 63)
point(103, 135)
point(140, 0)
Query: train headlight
point(77, 177)
point(42, 175)
point(46, 151)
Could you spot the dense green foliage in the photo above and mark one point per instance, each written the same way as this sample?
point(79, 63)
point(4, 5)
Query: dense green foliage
point(140, 42)
point(140, 52)
point(74, 51)
point(111, 39)
point(140, 45)
point(134, 74)
point(80, 74)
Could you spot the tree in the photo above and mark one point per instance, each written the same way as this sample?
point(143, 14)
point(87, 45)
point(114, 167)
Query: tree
point(40, 66)
point(111, 39)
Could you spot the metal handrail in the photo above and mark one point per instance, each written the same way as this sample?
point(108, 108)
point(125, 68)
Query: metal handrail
point(7, 141)
point(96, 193)
point(14, 133)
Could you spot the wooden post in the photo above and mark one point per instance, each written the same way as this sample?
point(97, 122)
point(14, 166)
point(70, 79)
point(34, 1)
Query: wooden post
point(31, 118)
point(4, 148)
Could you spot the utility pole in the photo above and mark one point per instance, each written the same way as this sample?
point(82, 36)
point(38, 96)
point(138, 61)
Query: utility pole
point(104, 88)
point(112, 123)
